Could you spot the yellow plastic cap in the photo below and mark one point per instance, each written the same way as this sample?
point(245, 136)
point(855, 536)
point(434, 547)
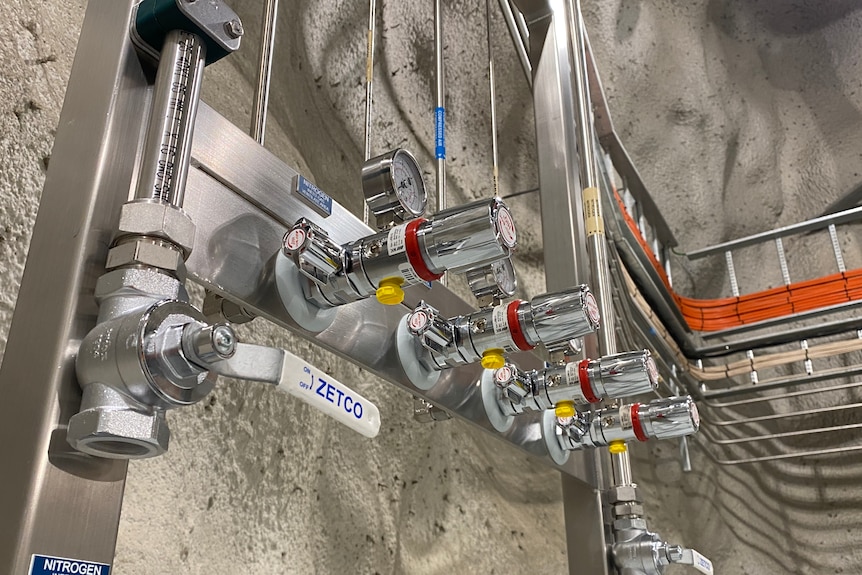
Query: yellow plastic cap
point(565, 409)
point(390, 292)
point(618, 446)
point(493, 358)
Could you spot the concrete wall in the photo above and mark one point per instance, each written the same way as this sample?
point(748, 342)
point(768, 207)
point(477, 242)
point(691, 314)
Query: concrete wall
point(741, 116)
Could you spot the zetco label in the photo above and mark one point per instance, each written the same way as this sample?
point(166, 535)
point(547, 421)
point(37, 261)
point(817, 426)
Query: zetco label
point(506, 227)
point(701, 563)
point(418, 320)
point(295, 239)
point(395, 240)
point(503, 374)
point(592, 307)
point(48, 565)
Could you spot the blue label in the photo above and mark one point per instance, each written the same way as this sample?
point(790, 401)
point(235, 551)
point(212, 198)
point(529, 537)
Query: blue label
point(314, 196)
point(440, 133)
point(48, 565)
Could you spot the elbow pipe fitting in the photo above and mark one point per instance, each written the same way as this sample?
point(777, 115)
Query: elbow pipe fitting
point(134, 367)
point(584, 382)
point(551, 319)
point(659, 419)
point(420, 250)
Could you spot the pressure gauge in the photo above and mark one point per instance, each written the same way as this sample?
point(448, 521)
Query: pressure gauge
point(394, 188)
point(493, 283)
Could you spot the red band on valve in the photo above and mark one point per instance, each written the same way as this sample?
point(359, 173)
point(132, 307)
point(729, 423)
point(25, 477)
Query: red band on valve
point(515, 326)
point(584, 379)
point(414, 254)
point(636, 423)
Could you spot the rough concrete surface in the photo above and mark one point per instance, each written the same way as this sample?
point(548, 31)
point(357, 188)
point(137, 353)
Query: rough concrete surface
point(740, 115)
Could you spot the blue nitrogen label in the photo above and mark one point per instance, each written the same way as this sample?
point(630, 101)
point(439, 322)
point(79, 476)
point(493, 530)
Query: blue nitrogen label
point(48, 565)
point(314, 196)
point(440, 133)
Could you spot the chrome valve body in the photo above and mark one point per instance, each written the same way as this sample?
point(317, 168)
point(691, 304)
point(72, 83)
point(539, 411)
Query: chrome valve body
point(419, 250)
point(636, 549)
point(664, 418)
point(584, 382)
point(551, 319)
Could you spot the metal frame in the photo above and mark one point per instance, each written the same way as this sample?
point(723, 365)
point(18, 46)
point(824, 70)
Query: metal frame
point(59, 502)
point(55, 501)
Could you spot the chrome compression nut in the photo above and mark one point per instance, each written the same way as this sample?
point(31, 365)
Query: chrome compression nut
point(628, 508)
point(218, 309)
point(157, 219)
point(119, 433)
point(145, 252)
point(638, 523)
point(623, 494)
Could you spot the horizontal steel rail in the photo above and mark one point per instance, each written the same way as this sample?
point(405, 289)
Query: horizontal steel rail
point(814, 224)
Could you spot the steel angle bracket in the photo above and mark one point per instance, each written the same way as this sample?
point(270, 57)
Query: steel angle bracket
point(214, 21)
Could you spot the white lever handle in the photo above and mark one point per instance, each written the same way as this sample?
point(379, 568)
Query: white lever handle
point(299, 378)
point(321, 391)
point(698, 561)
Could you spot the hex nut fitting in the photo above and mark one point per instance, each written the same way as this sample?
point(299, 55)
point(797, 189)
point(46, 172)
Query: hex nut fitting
point(133, 281)
point(158, 219)
point(119, 433)
point(630, 523)
point(218, 309)
point(146, 252)
point(631, 508)
point(624, 494)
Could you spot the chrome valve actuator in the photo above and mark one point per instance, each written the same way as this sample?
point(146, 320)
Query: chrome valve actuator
point(664, 418)
point(582, 382)
point(419, 250)
point(552, 319)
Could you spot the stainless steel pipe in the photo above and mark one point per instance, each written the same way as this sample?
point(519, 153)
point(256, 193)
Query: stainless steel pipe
point(264, 72)
point(168, 143)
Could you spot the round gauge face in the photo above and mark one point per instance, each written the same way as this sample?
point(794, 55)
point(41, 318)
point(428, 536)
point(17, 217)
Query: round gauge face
point(592, 307)
point(504, 374)
point(408, 183)
point(504, 275)
point(695, 416)
point(506, 228)
point(418, 320)
point(652, 371)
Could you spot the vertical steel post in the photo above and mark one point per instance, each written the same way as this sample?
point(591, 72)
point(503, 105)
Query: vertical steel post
point(565, 246)
point(440, 111)
point(56, 501)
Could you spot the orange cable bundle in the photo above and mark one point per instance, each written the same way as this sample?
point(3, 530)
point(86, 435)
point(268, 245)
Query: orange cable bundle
point(724, 313)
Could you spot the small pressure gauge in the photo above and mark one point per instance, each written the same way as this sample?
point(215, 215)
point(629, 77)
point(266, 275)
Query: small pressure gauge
point(493, 283)
point(394, 188)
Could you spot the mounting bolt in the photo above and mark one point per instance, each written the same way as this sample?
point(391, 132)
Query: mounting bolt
point(234, 28)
